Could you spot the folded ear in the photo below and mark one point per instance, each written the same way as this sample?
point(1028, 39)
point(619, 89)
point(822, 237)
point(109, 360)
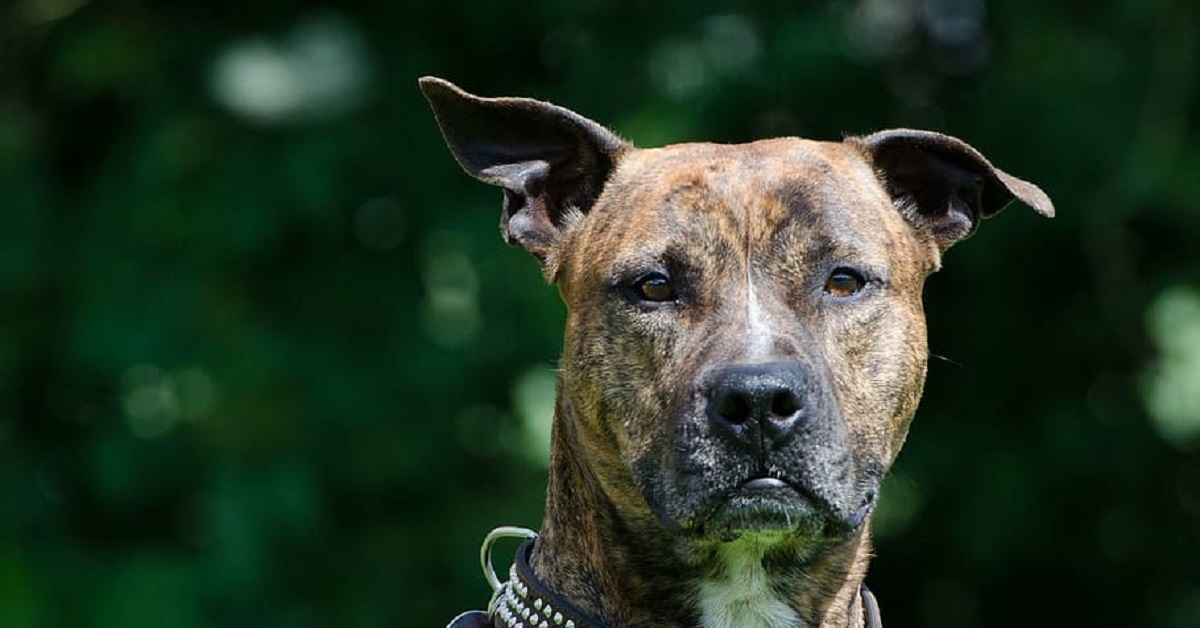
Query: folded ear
point(550, 161)
point(944, 186)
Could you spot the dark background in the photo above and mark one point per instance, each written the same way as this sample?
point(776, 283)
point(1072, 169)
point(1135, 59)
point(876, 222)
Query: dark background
point(264, 360)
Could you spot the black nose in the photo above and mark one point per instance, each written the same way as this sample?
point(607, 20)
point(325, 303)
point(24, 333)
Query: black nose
point(769, 396)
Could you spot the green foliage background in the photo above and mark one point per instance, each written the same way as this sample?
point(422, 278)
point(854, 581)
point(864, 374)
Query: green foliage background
point(265, 362)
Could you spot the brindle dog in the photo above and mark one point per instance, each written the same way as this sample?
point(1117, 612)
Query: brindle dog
point(745, 347)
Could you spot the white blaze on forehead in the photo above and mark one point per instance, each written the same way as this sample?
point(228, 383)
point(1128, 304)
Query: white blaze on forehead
point(758, 326)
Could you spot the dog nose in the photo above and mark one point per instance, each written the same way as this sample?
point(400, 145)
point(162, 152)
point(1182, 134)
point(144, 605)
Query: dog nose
point(769, 396)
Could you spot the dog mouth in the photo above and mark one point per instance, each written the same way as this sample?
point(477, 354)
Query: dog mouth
point(764, 484)
point(767, 505)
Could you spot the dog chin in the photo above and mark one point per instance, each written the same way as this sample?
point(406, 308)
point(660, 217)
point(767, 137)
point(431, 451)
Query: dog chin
point(766, 509)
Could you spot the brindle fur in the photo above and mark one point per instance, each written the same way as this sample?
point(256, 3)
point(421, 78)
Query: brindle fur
point(748, 233)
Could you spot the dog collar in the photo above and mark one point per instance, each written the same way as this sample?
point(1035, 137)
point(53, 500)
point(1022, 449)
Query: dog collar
point(525, 602)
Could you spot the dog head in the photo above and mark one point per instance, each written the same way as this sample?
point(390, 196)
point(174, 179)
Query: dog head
point(745, 341)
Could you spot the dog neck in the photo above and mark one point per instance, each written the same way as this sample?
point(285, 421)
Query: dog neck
point(632, 572)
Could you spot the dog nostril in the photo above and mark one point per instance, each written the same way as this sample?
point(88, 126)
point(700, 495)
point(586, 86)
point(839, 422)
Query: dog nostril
point(784, 404)
point(734, 408)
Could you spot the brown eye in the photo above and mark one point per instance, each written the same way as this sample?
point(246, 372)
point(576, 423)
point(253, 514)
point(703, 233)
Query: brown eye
point(844, 282)
point(654, 287)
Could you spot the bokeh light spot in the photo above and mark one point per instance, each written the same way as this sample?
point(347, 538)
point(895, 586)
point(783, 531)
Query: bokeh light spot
point(724, 46)
point(155, 400)
point(533, 399)
point(1172, 386)
point(321, 70)
point(450, 309)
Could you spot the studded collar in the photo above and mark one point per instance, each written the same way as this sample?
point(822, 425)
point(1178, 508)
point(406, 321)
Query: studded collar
point(525, 602)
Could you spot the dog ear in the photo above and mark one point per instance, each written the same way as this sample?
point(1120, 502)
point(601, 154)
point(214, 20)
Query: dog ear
point(943, 186)
point(550, 161)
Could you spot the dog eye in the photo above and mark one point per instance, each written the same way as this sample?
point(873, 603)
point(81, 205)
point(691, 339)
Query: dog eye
point(654, 287)
point(844, 282)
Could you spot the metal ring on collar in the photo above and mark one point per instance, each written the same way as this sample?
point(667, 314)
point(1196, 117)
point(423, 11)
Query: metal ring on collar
point(485, 551)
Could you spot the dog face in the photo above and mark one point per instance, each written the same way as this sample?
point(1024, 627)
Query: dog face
point(745, 341)
point(750, 323)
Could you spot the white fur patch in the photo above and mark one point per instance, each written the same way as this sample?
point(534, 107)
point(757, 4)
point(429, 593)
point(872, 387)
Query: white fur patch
point(758, 327)
point(741, 596)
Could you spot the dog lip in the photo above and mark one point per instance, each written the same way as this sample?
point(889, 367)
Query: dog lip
point(765, 483)
point(764, 504)
point(770, 484)
point(860, 515)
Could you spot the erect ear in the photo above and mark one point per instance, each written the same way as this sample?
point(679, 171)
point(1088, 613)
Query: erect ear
point(550, 161)
point(943, 186)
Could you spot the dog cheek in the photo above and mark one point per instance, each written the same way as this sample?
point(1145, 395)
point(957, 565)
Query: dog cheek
point(665, 421)
point(878, 357)
point(904, 377)
point(898, 367)
point(613, 365)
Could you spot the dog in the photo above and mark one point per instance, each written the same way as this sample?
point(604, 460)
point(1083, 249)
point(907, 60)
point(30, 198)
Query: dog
point(745, 348)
